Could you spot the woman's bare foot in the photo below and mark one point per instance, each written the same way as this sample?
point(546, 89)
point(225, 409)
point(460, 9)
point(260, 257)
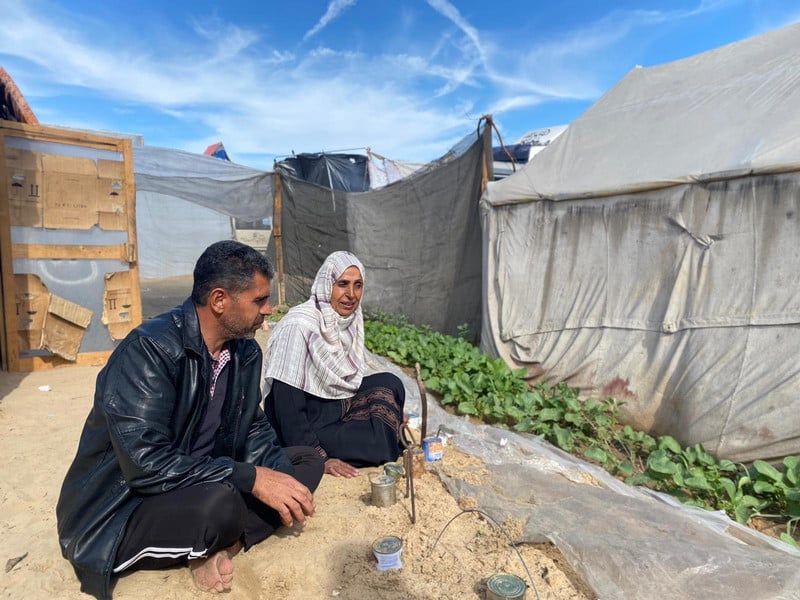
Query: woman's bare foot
point(215, 573)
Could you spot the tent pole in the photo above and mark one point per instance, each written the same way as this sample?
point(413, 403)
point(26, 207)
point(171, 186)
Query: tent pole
point(276, 232)
point(487, 170)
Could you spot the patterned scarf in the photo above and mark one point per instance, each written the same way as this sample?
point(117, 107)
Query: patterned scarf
point(315, 349)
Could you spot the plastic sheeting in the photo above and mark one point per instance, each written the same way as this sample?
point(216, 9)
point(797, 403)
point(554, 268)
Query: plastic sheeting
point(676, 299)
point(226, 187)
point(345, 172)
point(419, 238)
point(173, 232)
point(383, 171)
point(623, 541)
point(185, 202)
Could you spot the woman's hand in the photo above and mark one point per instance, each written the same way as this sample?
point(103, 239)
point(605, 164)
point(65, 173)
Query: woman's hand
point(339, 468)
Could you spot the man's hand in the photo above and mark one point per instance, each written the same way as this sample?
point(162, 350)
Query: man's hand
point(285, 494)
point(339, 468)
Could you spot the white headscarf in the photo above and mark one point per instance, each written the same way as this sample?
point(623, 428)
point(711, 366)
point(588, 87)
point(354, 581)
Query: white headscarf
point(313, 347)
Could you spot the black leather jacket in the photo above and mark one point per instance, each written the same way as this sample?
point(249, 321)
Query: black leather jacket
point(148, 406)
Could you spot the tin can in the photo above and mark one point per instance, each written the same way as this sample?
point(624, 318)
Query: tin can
point(394, 469)
point(432, 447)
point(387, 551)
point(384, 490)
point(414, 420)
point(505, 587)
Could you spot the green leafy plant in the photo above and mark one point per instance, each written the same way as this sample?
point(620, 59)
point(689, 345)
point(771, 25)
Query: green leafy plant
point(471, 383)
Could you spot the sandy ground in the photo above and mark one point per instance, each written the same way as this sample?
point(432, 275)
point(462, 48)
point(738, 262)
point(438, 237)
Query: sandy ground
point(41, 415)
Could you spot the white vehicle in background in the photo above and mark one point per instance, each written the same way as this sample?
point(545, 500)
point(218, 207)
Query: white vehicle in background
point(523, 150)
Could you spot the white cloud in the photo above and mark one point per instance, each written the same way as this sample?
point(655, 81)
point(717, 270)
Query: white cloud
point(325, 99)
point(446, 9)
point(226, 41)
point(227, 82)
point(515, 103)
point(581, 63)
point(335, 8)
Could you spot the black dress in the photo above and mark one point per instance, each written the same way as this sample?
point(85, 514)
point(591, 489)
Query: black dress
point(363, 431)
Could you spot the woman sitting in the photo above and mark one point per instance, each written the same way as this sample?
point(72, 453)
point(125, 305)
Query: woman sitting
point(316, 391)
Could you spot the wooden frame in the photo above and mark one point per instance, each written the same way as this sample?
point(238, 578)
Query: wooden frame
point(126, 252)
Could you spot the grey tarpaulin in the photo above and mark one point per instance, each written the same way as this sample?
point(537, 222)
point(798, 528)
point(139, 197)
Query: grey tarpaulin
point(419, 238)
point(651, 252)
point(625, 542)
point(185, 201)
point(226, 187)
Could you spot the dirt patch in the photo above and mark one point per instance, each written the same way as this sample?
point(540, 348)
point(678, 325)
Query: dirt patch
point(330, 558)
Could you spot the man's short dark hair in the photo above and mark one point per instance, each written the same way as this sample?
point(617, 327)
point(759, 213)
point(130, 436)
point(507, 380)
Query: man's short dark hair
point(229, 265)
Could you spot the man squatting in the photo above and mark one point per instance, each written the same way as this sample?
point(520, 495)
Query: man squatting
point(176, 461)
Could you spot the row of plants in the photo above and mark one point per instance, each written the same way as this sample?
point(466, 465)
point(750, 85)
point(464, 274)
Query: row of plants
point(471, 383)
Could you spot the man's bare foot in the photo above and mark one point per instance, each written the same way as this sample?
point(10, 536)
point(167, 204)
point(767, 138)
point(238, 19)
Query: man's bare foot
point(215, 573)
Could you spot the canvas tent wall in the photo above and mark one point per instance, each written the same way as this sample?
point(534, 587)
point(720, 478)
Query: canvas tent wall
point(419, 238)
point(651, 252)
point(186, 201)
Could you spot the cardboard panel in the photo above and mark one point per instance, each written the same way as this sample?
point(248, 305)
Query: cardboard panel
point(60, 191)
point(46, 321)
point(111, 214)
point(32, 298)
point(70, 192)
point(117, 304)
point(69, 311)
point(24, 187)
point(70, 201)
point(64, 327)
point(110, 169)
point(112, 221)
point(74, 165)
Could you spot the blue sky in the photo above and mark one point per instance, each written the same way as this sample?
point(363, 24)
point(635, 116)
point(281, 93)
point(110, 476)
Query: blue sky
point(407, 78)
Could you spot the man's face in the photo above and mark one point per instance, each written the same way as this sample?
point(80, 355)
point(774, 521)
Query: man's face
point(347, 291)
point(244, 313)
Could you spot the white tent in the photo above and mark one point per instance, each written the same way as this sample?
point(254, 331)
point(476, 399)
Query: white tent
point(650, 253)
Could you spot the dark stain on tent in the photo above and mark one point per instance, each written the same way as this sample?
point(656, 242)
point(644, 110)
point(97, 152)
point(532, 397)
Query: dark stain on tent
point(618, 388)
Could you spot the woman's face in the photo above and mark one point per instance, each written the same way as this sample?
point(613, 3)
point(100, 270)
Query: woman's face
point(347, 290)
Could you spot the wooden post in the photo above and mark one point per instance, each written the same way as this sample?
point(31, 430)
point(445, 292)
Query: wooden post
point(423, 400)
point(7, 296)
point(487, 170)
point(276, 233)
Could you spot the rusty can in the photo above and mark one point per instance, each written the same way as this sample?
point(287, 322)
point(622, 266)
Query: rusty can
point(505, 587)
point(432, 447)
